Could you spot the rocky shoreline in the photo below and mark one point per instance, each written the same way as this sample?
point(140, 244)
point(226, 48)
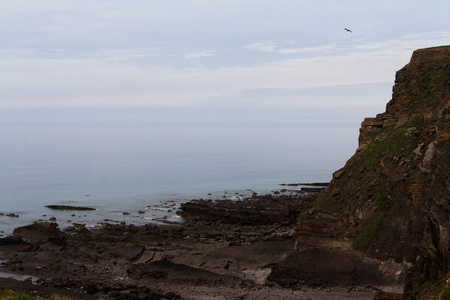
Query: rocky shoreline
point(223, 249)
point(379, 230)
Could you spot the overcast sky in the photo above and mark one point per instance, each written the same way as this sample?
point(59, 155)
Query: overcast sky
point(213, 55)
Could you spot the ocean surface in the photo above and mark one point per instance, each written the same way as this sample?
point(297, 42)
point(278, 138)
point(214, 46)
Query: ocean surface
point(148, 171)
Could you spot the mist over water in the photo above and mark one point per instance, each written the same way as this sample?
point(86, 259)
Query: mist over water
point(117, 169)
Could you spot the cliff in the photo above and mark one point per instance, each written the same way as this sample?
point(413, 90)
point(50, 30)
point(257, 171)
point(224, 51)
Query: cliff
point(391, 199)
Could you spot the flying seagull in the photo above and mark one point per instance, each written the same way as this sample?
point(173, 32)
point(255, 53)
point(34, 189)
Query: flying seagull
point(346, 29)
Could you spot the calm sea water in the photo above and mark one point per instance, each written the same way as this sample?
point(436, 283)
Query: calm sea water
point(152, 170)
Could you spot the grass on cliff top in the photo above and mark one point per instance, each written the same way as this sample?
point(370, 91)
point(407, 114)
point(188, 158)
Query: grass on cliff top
point(7, 294)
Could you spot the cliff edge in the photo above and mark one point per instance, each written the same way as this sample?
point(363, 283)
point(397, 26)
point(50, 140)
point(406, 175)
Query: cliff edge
point(390, 202)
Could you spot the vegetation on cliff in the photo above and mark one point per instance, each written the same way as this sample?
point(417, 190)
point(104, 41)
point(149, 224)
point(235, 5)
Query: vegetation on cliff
point(392, 197)
point(8, 294)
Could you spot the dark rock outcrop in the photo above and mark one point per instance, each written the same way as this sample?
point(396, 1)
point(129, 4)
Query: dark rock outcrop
point(256, 210)
point(69, 207)
point(391, 199)
point(231, 255)
point(39, 232)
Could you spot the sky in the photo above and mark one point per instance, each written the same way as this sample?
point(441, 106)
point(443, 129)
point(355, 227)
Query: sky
point(208, 62)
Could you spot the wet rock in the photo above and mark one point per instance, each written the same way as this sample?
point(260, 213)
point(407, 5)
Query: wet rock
point(69, 207)
point(148, 256)
point(128, 252)
point(91, 288)
point(179, 273)
point(257, 210)
point(311, 189)
point(41, 232)
point(12, 243)
point(126, 261)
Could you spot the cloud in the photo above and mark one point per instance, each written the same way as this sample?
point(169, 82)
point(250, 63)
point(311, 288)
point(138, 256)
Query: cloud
point(124, 77)
point(324, 48)
point(200, 54)
point(262, 47)
point(104, 82)
point(406, 43)
point(152, 53)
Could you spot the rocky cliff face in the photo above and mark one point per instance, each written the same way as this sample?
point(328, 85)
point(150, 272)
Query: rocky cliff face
point(391, 199)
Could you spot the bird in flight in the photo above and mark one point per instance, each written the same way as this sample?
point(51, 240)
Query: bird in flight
point(346, 29)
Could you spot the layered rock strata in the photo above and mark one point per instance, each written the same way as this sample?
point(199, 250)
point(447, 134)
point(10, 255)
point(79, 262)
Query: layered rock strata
point(391, 199)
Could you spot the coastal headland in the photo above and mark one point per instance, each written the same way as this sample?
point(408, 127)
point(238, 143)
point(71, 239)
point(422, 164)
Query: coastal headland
point(379, 230)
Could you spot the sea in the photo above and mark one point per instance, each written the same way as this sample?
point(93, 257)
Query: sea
point(140, 175)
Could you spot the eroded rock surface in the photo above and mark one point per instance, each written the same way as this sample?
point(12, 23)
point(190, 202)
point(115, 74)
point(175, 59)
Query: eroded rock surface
point(223, 248)
point(391, 199)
